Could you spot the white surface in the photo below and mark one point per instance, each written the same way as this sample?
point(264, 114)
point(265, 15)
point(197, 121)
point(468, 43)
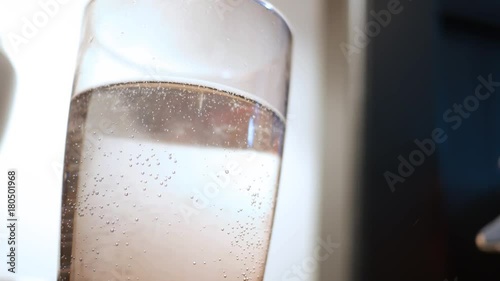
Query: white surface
point(35, 138)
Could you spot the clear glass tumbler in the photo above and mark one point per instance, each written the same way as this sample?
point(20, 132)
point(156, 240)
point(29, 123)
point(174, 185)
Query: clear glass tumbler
point(174, 140)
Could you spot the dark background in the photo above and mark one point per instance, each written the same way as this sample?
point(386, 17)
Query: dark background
point(428, 58)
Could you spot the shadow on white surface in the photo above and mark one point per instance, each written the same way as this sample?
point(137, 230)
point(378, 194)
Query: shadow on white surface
point(7, 82)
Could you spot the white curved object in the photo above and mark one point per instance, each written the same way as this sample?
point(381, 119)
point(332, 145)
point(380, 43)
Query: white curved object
point(488, 239)
point(6, 90)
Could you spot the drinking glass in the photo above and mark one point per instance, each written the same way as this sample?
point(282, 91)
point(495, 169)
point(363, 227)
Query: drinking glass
point(174, 141)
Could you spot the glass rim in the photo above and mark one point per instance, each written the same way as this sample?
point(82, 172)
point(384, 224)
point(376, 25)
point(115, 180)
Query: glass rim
point(270, 7)
point(263, 3)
